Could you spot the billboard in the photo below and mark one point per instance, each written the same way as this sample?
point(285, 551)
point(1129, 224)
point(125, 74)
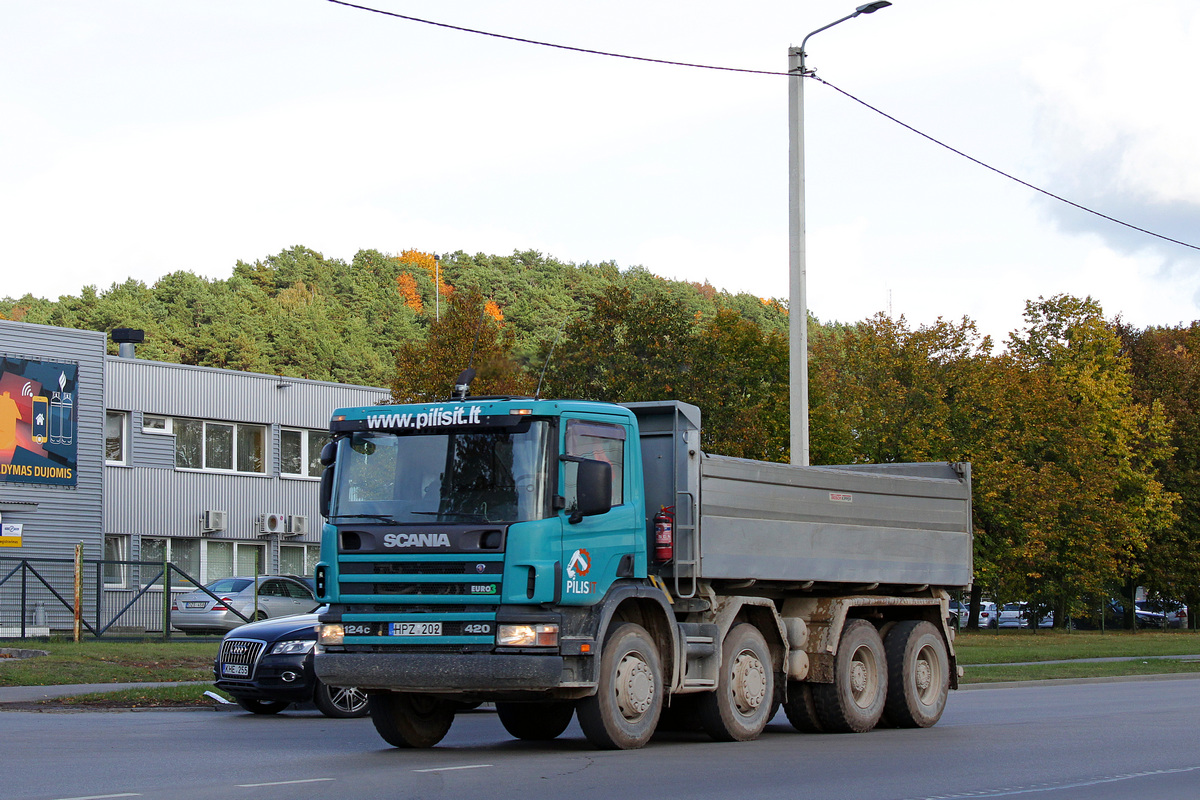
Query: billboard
point(38, 421)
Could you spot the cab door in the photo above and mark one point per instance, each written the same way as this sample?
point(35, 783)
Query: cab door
point(593, 547)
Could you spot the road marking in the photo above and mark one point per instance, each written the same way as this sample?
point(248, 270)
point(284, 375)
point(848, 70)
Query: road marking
point(448, 769)
point(101, 796)
point(282, 783)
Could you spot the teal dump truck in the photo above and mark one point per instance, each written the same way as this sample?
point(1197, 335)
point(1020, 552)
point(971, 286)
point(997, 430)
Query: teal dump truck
point(571, 558)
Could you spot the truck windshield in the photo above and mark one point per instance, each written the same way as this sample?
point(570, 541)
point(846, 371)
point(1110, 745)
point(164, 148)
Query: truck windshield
point(498, 475)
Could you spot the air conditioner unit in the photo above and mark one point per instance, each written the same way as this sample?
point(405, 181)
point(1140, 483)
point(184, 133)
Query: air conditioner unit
point(212, 521)
point(297, 525)
point(272, 523)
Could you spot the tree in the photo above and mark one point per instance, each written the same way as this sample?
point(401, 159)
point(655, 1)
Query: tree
point(1166, 370)
point(1078, 455)
point(465, 336)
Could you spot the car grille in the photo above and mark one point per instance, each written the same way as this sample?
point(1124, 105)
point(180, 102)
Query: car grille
point(242, 651)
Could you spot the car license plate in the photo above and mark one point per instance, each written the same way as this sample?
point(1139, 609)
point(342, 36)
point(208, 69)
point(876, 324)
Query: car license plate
point(236, 670)
point(201, 604)
point(416, 629)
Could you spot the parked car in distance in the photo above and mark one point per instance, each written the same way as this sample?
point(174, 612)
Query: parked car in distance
point(987, 615)
point(960, 613)
point(267, 666)
point(1161, 614)
point(278, 596)
point(1022, 615)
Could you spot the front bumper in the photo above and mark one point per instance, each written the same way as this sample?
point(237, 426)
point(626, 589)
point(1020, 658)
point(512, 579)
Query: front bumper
point(440, 672)
point(268, 683)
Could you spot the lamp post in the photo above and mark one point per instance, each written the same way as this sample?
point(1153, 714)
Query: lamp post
point(798, 296)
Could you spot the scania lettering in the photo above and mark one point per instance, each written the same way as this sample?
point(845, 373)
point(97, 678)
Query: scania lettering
point(571, 559)
point(416, 540)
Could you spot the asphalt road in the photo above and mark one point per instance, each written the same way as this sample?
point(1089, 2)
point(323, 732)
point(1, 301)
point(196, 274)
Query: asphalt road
point(1055, 742)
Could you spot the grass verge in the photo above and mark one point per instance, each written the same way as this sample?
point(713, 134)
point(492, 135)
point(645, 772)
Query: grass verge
point(110, 662)
point(1000, 647)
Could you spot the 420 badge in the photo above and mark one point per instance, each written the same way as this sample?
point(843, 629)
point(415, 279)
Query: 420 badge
point(578, 567)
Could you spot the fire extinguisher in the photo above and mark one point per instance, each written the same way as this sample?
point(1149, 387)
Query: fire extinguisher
point(664, 534)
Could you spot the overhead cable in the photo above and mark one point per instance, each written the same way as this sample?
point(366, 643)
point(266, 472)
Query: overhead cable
point(809, 74)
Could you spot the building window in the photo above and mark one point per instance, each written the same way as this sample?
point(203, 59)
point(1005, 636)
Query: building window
point(183, 553)
point(229, 559)
point(300, 452)
point(222, 446)
point(153, 423)
point(116, 552)
point(297, 559)
point(114, 437)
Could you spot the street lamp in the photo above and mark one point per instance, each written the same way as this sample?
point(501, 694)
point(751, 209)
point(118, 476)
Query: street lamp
point(797, 297)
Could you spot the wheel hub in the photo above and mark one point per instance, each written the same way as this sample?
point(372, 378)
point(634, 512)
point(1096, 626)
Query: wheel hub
point(923, 676)
point(749, 682)
point(858, 677)
point(635, 686)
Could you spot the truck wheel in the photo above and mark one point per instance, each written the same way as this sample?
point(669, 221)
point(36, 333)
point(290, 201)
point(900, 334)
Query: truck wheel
point(918, 674)
point(263, 706)
point(800, 709)
point(741, 706)
point(340, 703)
point(854, 702)
point(535, 722)
point(410, 720)
point(624, 711)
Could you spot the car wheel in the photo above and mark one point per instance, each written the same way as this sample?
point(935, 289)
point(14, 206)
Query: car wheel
point(263, 706)
point(340, 702)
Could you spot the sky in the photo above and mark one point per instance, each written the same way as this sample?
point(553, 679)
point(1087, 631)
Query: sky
point(142, 138)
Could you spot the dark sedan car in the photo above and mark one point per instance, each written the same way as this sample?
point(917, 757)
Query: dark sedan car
point(266, 666)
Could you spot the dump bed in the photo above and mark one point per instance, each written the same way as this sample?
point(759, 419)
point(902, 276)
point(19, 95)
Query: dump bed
point(736, 519)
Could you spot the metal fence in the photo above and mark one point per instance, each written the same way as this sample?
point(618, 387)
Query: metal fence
point(38, 596)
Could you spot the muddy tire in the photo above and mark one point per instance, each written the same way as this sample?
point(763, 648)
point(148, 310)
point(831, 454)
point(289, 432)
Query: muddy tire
point(854, 702)
point(410, 720)
point(918, 674)
point(535, 722)
point(741, 706)
point(799, 708)
point(624, 712)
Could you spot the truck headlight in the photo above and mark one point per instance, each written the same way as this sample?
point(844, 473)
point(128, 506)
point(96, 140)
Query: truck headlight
point(537, 634)
point(292, 647)
point(331, 633)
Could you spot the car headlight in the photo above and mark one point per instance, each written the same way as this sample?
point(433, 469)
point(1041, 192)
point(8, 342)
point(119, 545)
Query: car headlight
point(331, 633)
point(537, 634)
point(292, 647)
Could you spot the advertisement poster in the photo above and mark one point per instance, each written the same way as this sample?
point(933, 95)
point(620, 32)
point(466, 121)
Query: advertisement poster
point(38, 421)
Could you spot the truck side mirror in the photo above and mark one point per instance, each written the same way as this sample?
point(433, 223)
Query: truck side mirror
point(593, 487)
point(326, 491)
point(328, 454)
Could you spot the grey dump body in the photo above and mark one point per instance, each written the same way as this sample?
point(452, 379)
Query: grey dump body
point(891, 525)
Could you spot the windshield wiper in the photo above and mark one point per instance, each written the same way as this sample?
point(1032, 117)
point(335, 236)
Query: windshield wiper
point(380, 517)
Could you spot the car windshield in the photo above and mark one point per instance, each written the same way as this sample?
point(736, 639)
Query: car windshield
point(228, 585)
point(497, 475)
